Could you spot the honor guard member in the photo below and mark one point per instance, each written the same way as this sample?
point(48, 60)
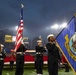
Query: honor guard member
point(20, 59)
point(53, 55)
point(2, 56)
point(39, 57)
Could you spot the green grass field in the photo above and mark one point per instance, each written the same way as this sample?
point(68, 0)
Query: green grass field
point(32, 72)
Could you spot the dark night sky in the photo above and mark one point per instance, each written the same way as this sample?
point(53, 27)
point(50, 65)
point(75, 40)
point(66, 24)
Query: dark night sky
point(39, 15)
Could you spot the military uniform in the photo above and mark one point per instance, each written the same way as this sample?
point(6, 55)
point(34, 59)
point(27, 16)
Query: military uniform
point(20, 60)
point(53, 56)
point(35, 62)
point(39, 59)
point(2, 56)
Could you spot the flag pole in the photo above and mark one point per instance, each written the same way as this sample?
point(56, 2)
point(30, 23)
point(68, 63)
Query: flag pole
point(19, 35)
point(22, 6)
point(75, 24)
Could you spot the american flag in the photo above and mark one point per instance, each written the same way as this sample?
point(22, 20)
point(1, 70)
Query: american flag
point(19, 34)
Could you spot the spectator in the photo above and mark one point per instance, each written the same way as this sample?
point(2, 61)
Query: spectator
point(12, 59)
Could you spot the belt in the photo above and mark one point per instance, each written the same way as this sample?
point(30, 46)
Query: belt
point(20, 53)
point(38, 53)
point(1, 58)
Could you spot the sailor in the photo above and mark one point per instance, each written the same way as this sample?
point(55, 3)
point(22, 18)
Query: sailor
point(39, 57)
point(2, 56)
point(20, 59)
point(53, 55)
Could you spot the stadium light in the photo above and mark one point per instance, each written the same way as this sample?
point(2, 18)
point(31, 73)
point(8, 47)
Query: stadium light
point(54, 26)
point(13, 38)
point(16, 28)
point(64, 25)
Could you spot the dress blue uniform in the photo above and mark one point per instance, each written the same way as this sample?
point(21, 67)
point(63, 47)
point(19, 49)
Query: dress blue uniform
point(20, 60)
point(39, 59)
point(53, 55)
point(2, 56)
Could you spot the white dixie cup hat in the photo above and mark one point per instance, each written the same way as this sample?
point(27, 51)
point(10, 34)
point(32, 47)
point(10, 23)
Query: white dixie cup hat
point(50, 35)
point(39, 41)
